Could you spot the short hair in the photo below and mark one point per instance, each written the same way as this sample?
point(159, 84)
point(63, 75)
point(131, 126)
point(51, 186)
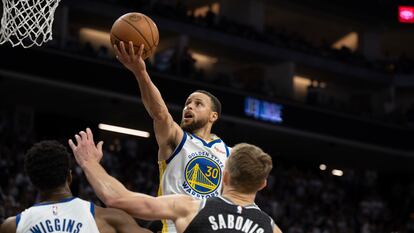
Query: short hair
point(216, 104)
point(248, 167)
point(47, 163)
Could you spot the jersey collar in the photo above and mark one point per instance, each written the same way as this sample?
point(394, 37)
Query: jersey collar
point(249, 206)
point(207, 144)
point(68, 199)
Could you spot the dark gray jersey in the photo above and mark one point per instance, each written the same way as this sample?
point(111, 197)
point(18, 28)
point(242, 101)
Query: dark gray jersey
point(221, 215)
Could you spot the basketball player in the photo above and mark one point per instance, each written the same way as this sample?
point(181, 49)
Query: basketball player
point(47, 165)
point(190, 157)
point(244, 175)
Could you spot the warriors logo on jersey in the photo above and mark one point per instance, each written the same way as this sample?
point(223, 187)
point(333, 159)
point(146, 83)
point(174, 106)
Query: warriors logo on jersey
point(203, 176)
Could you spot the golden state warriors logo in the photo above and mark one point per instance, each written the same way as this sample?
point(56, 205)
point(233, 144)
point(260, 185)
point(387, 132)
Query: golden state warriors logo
point(202, 176)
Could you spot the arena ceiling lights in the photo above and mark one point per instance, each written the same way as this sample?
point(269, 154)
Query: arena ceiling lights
point(406, 14)
point(123, 130)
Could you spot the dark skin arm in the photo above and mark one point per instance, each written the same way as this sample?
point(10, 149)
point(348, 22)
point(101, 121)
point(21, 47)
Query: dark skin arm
point(113, 220)
point(9, 226)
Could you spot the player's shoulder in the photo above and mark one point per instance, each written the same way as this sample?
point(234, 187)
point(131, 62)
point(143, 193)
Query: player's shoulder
point(256, 211)
point(272, 222)
point(110, 216)
point(118, 220)
point(105, 213)
point(9, 225)
point(264, 214)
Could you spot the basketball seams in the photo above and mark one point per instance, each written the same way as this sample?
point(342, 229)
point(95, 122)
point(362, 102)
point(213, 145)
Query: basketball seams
point(119, 39)
point(140, 33)
point(131, 27)
point(152, 35)
point(157, 35)
point(135, 46)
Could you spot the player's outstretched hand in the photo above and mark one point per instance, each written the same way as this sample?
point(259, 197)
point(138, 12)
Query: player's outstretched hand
point(132, 61)
point(85, 150)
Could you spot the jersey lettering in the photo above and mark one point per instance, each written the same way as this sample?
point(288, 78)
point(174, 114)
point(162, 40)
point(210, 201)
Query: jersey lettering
point(214, 225)
point(222, 223)
point(241, 224)
point(56, 226)
point(230, 221)
point(220, 215)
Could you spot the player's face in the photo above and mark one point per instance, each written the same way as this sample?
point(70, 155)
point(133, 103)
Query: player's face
point(196, 112)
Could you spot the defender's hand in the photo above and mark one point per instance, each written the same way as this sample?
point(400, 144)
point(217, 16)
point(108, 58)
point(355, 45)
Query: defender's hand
point(85, 150)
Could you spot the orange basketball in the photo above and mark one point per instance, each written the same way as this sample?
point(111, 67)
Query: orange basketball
point(139, 29)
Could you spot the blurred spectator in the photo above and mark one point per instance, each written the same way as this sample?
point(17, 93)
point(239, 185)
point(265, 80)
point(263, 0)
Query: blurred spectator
point(299, 199)
point(182, 63)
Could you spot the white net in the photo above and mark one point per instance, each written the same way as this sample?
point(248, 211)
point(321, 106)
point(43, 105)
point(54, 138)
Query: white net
point(27, 22)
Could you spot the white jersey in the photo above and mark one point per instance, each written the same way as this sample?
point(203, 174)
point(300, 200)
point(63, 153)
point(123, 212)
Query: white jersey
point(195, 168)
point(68, 215)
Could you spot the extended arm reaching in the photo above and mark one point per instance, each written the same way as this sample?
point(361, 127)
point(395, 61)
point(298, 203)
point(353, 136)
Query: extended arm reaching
point(167, 132)
point(150, 94)
point(114, 194)
point(88, 155)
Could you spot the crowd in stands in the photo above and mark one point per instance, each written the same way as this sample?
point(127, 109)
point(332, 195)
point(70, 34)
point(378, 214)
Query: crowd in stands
point(184, 64)
point(301, 199)
point(279, 37)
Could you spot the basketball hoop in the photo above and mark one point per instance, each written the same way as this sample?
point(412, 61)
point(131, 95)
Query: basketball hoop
point(27, 22)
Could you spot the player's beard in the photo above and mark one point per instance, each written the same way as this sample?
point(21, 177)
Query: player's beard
point(194, 125)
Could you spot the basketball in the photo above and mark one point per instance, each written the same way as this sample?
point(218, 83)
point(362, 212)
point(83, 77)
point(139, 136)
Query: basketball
point(138, 28)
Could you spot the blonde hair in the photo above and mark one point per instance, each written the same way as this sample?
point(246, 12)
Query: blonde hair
point(248, 167)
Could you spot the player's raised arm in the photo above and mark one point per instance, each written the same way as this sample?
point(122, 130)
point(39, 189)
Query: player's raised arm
point(167, 132)
point(115, 195)
point(88, 155)
point(148, 207)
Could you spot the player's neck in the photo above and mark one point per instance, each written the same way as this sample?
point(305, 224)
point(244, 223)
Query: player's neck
point(204, 133)
point(55, 194)
point(238, 198)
